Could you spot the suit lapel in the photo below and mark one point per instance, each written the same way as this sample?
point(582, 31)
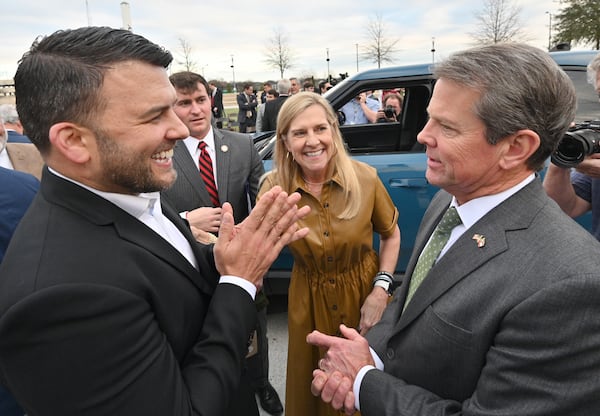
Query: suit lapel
point(188, 167)
point(223, 155)
point(100, 211)
point(465, 256)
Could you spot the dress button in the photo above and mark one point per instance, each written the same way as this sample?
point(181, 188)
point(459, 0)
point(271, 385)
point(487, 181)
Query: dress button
point(326, 205)
point(329, 259)
point(390, 353)
point(334, 307)
point(326, 233)
point(332, 281)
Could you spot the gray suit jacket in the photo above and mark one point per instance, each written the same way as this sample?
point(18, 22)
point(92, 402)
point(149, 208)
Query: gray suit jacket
point(510, 328)
point(239, 169)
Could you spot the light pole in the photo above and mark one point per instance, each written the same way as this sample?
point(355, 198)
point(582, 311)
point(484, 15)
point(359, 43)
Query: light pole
point(433, 50)
point(549, 30)
point(328, 75)
point(233, 74)
point(357, 57)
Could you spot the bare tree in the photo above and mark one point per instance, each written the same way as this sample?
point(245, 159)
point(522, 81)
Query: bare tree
point(379, 48)
point(186, 56)
point(278, 52)
point(499, 22)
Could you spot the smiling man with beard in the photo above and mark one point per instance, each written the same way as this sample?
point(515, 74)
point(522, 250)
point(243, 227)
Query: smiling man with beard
point(108, 306)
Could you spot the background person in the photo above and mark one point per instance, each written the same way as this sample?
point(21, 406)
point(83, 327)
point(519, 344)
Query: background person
point(360, 110)
point(113, 308)
point(272, 107)
point(503, 322)
point(216, 104)
point(260, 112)
point(247, 104)
point(12, 123)
point(335, 266)
point(391, 108)
point(23, 157)
point(237, 168)
point(578, 191)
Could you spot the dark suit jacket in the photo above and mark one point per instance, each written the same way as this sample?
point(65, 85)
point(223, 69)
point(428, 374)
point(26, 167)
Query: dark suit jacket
point(217, 106)
point(244, 106)
point(271, 112)
point(17, 190)
point(15, 137)
point(101, 316)
point(239, 169)
point(508, 328)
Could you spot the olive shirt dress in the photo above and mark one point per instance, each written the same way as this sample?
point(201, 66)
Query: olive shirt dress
point(334, 266)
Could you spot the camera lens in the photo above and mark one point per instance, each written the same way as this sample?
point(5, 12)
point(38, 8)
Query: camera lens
point(389, 111)
point(575, 146)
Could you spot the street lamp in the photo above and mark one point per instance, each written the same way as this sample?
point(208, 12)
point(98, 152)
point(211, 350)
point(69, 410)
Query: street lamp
point(328, 76)
point(357, 57)
point(433, 50)
point(233, 74)
point(549, 30)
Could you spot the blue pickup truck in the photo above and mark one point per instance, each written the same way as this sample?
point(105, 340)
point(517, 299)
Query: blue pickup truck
point(392, 148)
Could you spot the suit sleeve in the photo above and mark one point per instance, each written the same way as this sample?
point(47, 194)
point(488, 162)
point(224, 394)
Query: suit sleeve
point(544, 361)
point(130, 367)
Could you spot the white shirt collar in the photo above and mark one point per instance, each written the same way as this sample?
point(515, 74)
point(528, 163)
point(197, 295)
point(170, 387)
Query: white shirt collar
point(472, 211)
point(135, 205)
point(191, 143)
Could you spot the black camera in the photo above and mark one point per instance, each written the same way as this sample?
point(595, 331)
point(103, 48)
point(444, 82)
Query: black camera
point(389, 112)
point(578, 142)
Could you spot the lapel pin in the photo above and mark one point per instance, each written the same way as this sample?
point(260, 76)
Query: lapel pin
point(480, 240)
point(224, 148)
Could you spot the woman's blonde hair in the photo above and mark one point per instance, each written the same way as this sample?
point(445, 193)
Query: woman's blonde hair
point(286, 168)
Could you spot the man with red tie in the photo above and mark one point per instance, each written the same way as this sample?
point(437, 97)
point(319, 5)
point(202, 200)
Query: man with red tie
point(199, 191)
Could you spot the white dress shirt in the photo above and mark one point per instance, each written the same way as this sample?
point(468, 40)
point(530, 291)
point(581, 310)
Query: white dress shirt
point(469, 212)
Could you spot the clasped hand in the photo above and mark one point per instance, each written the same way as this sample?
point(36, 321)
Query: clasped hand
point(343, 359)
point(248, 249)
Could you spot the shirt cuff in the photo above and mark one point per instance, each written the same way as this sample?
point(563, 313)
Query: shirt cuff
point(238, 281)
point(360, 375)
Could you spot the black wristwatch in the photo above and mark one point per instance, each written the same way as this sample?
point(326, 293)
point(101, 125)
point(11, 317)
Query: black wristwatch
point(385, 281)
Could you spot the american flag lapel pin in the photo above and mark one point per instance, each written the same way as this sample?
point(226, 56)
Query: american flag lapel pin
point(480, 239)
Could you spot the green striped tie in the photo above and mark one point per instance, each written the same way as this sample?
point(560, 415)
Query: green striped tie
point(438, 240)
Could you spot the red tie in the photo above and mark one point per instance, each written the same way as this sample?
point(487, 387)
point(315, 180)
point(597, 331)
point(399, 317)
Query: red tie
point(206, 172)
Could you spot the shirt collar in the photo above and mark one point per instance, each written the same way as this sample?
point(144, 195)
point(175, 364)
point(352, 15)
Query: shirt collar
point(135, 205)
point(191, 143)
point(298, 182)
point(472, 211)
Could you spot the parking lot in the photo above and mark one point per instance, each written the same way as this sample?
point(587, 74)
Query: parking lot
point(278, 338)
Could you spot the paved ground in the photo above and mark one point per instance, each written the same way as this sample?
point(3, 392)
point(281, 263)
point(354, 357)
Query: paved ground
point(278, 338)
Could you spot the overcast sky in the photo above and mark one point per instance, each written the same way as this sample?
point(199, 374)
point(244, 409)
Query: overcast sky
point(216, 30)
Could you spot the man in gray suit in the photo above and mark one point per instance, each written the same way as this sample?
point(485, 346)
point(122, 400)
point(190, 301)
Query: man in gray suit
point(237, 168)
point(506, 321)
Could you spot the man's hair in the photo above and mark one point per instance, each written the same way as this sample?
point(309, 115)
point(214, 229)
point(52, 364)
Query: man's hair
point(520, 87)
point(395, 95)
point(592, 70)
point(187, 82)
point(60, 77)
point(283, 86)
point(8, 113)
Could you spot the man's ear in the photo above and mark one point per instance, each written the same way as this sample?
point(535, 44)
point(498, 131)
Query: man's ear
point(72, 141)
point(519, 147)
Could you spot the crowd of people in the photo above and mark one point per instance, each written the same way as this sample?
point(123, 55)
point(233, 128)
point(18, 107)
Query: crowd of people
point(135, 240)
